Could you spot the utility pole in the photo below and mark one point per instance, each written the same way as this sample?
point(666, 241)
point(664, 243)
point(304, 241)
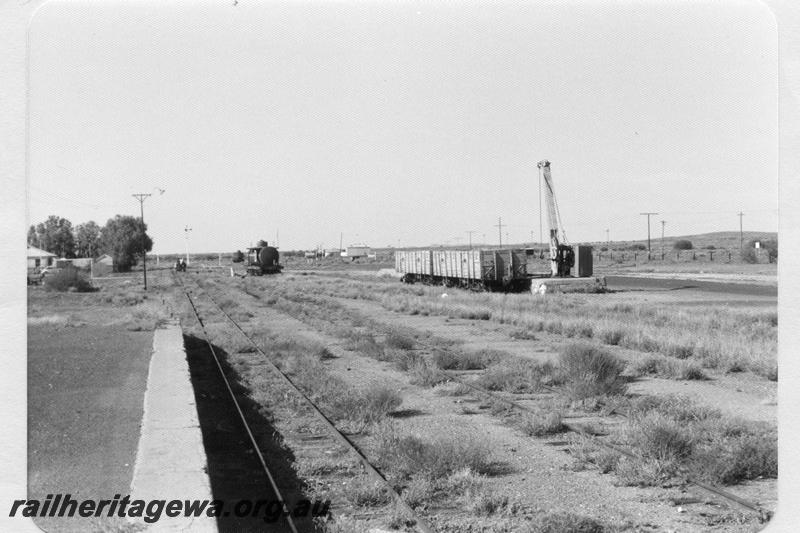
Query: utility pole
point(186, 230)
point(499, 227)
point(648, 228)
point(608, 239)
point(663, 223)
point(470, 237)
point(142, 197)
point(741, 234)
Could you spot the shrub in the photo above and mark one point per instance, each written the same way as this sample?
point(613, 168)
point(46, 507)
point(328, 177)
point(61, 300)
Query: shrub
point(518, 375)
point(638, 247)
point(682, 244)
point(591, 371)
point(409, 456)
point(364, 492)
point(68, 279)
point(538, 425)
point(449, 360)
point(422, 374)
point(399, 342)
point(566, 523)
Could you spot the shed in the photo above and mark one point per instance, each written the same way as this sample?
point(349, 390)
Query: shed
point(40, 258)
point(103, 265)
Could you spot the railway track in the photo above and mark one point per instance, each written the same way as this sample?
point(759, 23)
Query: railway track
point(719, 494)
point(419, 523)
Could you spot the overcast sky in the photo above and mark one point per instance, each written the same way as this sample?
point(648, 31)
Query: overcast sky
point(403, 123)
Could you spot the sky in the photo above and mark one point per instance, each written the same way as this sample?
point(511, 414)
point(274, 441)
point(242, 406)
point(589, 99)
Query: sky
point(403, 124)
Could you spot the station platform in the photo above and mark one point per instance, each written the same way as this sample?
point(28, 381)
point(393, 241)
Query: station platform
point(171, 461)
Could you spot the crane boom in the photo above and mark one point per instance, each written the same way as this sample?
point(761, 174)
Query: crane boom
point(562, 257)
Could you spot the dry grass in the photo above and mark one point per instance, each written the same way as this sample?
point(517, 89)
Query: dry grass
point(714, 337)
point(666, 367)
point(589, 371)
point(409, 456)
point(518, 375)
point(541, 424)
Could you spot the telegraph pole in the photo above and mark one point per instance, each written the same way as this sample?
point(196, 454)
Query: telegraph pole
point(142, 197)
point(663, 223)
point(470, 237)
point(186, 230)
point(499, 227)
point(608, 239)
point(741, 234)
point(648, 228)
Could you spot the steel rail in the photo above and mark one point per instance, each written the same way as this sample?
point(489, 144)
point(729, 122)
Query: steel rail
point(286, 513)
point(576, 428)
point(420, 523)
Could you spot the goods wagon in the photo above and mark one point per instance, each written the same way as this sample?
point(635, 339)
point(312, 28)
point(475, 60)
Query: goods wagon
point(476, 269)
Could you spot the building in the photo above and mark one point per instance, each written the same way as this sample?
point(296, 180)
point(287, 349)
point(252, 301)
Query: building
point(357, 250)
point(38, 258)
point(103, 265)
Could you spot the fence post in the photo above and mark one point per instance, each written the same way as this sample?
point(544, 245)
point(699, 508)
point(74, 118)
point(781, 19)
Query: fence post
point(694, 256)
point(711, 256)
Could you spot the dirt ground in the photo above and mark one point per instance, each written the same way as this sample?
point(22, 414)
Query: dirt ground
point(536, 474)
point(86, 379)
point(88, 356)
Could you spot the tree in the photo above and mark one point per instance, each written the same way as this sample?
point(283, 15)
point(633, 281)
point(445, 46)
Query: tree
point(53, 235)
point(121, 238)
point(87, 239)
point(237, 257)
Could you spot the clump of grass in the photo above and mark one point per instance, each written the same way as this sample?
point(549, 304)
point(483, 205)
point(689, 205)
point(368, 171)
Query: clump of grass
point(541, 424)
point(611, 336)
point(424, 375)
point(661, 438)
point(589, 371)
point(518, 375)
point(737, 452)
point(398, 341)
point(488, 503)
point(68, 279)
point(567, 523)
point(364, 492)
point(408, 455)
point(450, 360)
point(453, 389)
point(661, 366)
point(405, 361)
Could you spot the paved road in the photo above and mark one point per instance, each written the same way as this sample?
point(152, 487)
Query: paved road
point(631, 282)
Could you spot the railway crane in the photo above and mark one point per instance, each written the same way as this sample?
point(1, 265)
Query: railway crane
point(562, 255)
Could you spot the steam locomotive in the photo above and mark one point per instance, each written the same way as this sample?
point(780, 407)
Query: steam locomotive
point(263, 259)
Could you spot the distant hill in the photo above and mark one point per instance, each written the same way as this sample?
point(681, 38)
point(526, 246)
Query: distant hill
point(718, 239)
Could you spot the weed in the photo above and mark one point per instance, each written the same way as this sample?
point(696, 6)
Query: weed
point(424, 375)
point(661, 438)
point(364, 492)
point(488, 503)
point(538, 425)
point(518, 375)
point(411, 456)
point(399, 341)
point(450, 360)
point(591, 371)
point(566, 523)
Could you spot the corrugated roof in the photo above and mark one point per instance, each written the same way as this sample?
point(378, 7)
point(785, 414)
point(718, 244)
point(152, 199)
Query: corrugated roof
point(38, 252)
